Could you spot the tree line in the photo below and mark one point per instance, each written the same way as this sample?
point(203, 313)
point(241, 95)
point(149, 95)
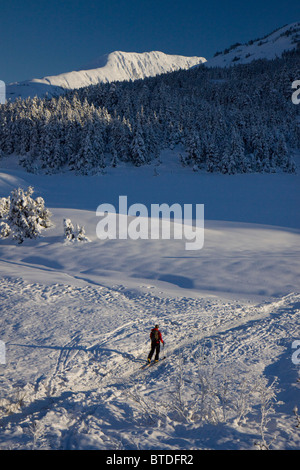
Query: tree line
point(231, 120)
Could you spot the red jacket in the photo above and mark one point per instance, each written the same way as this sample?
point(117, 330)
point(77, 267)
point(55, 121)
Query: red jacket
point(159, 335)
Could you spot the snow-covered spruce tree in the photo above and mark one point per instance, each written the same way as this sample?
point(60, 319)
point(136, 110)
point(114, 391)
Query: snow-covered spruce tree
point(99, 149)
point(4, 210)
point(212, 156)
point(25, 217)
point(80, 234)
point(68, 230)
point(5, 230)
point(137, 147)
point(283, 159)
point(195, 150)
point(72, 234)
point(4, 207)
point(85, 160)
point(237, 153)
point(226, 160)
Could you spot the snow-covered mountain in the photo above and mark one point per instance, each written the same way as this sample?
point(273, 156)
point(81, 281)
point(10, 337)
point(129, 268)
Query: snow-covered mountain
point(271, 46)
point(116, 66)
point(120, 66)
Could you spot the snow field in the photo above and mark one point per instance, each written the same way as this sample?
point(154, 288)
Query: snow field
point(75, 320)
point(73, 377)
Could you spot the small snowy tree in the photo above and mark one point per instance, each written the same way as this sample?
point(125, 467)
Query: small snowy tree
point(72, 234)
point(4, 207)
point(80, 234)
point(295, 411)
point(23, 216)
point(5, 230)
point(267, 397)
point(68, 230)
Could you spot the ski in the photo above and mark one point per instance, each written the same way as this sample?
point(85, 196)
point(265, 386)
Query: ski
point(144, 366)
point(152, 363)
point(157, 362)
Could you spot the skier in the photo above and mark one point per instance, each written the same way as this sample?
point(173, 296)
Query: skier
point(156, 339)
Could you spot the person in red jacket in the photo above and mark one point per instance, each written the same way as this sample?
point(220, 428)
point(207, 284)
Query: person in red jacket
point(156, 339)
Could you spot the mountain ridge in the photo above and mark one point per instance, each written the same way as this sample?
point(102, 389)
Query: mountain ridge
point(271, 46)
point(115, 66)
point(128, 66)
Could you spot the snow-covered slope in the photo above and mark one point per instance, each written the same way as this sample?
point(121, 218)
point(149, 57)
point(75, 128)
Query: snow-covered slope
point(75, 318)
point(271, 46)
point(117, 66)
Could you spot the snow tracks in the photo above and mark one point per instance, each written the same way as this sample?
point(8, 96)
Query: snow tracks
point(73, 379)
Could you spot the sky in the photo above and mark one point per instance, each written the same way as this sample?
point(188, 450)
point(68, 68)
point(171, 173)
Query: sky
point(42, 37)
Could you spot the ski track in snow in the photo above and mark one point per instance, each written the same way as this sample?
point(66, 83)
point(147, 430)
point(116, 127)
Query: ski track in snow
point(74, 357)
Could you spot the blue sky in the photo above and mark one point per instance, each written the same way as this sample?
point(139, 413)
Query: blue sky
point(41, 38)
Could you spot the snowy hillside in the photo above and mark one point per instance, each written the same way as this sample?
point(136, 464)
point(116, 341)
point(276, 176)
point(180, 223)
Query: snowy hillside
point(75, 318)
point(116, 66)
point(269, 47)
